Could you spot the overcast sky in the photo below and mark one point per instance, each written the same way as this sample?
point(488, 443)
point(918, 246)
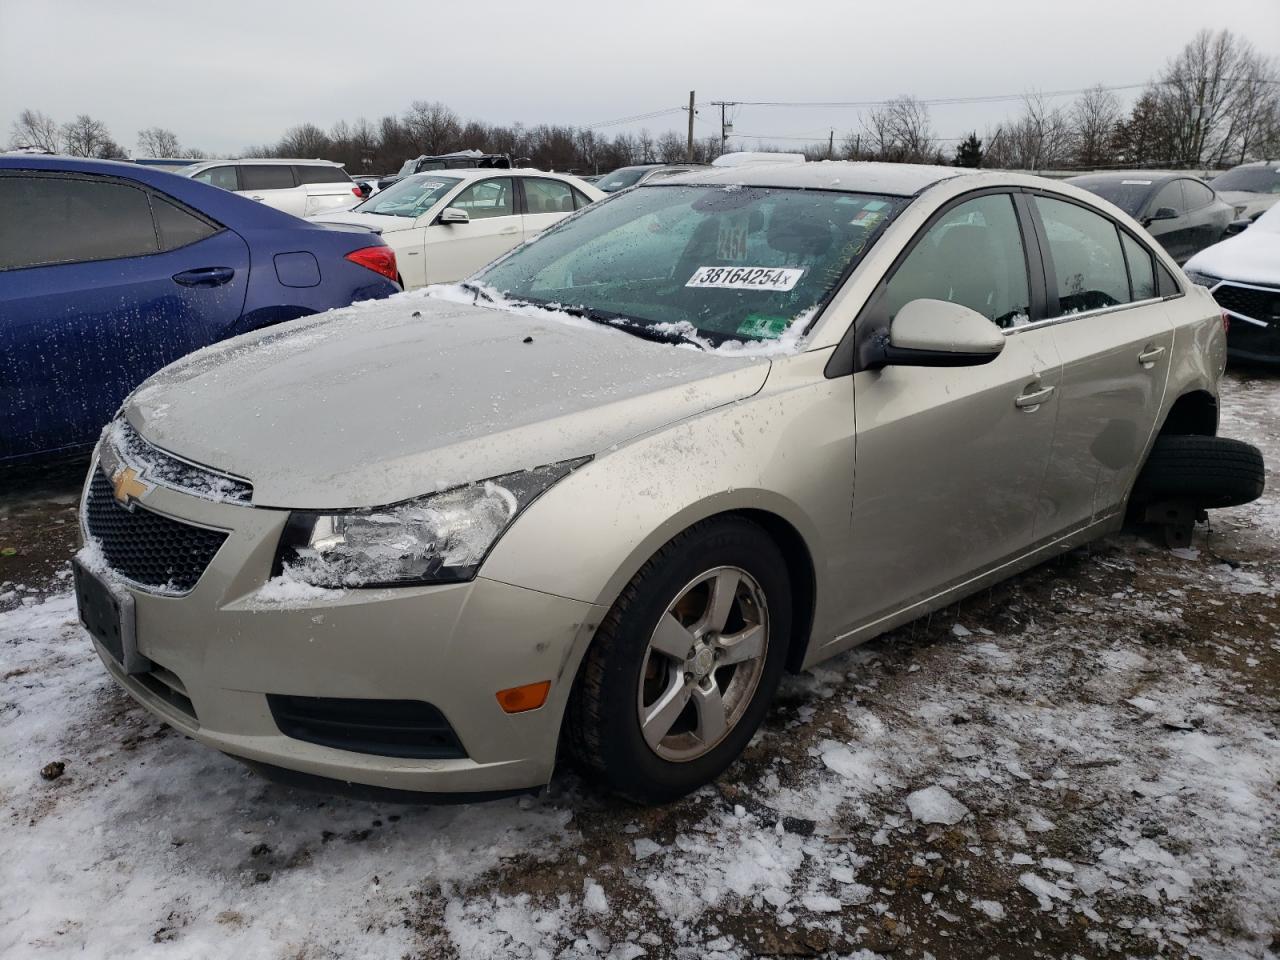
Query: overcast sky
point(225, 74)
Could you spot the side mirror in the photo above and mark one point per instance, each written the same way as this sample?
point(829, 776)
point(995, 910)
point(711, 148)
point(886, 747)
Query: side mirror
point(1238, 226)
point(1162, 213)
point(364, 189)
point(935, 333)
point(454, 215)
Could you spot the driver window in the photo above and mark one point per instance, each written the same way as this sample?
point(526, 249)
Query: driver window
point(1170, 196)
point(972, 256)
point(488, 198)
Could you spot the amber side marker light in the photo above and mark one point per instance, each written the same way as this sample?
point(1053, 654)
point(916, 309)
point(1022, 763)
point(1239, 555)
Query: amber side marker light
point(529, 697)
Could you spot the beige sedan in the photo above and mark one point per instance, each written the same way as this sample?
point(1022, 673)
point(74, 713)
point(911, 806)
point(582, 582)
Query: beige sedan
point(596, 501)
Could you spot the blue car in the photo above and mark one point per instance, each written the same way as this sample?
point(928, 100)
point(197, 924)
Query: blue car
point(109, 271)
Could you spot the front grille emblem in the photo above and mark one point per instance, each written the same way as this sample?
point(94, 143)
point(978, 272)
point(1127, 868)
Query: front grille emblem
point(127, 486)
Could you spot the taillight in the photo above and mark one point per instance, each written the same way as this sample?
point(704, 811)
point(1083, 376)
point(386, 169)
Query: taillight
point(381, 260)
point(358, 192)
point(1226, 322)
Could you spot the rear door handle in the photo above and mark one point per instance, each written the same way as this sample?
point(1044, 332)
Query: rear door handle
point(1031, 401)
point(1149, 356)
point(508, 231)
point(204, 277)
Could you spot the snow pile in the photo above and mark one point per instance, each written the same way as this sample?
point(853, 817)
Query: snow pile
point(935, 805)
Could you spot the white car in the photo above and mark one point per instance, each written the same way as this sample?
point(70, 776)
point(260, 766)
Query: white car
point(1243, 274)
point(447, 224)
point(299, 187)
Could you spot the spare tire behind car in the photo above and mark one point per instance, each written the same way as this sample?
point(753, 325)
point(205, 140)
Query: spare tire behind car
point(1208, 472)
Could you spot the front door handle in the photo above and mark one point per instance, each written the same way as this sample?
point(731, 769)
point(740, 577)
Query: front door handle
point(204, 277)
point(1149, 356)
point(508, 231)
point(1031, 401)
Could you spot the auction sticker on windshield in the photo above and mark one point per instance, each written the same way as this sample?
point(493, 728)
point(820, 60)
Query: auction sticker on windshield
point(746, 278)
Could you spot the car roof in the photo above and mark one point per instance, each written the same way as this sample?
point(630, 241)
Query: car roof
point(477, 173)
point(894, 179)
point(1113, 176)
point(271, 161)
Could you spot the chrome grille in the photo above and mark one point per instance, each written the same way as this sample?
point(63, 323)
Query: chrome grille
point(165, 469)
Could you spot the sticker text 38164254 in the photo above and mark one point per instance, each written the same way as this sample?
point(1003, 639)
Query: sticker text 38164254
point(746, 278)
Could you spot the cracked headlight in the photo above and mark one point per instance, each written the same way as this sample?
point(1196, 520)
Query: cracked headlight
point(440, 538)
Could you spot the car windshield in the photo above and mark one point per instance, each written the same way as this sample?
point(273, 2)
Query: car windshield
point(406, 168)
point(724, 263)
point(1127, 193)
point(411, 197)
point(625, 177)
point(1250, 180)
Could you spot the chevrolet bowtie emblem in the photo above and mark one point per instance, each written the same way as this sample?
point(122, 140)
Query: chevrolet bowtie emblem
point(126, 486)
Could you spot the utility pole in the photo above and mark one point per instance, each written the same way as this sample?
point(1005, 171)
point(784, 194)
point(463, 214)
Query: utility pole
point(725, 124)
point(689, 150)
point(831, 145)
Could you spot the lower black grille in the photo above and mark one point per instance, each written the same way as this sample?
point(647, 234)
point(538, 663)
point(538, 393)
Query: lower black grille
point(384, 728)
point(145, 547)
point(1263, 305)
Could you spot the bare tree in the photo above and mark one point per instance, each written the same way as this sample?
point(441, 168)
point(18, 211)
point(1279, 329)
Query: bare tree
point(433, 126)
point(305, 140)
point(158, 142)
point(671, 147)
point(1037, 140)
point(899, 131)
point(87, 137)
point(644, 147)
point(1093, 121)
point(34, 130)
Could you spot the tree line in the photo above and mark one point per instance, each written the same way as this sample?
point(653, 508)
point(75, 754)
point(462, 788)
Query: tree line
point(1215, 104)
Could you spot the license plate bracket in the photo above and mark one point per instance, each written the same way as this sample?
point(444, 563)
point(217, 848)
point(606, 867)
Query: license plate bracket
point(109, 616)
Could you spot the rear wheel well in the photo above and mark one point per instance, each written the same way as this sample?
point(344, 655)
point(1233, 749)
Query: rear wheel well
point(1194, 413)
point(803, 581)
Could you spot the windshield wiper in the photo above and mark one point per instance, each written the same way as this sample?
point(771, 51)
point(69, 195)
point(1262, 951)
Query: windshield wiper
point(476, 289)
point(621, 321)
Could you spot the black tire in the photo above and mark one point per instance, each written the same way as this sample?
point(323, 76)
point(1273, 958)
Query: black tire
point(1207, 472)
point(602, 725)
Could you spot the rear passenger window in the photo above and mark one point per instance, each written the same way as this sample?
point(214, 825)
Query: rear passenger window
point(1196, 195)
point(79, 221)
point(1170, 197)
point(580, 199)
point(321, 173)
point(547, 196)
point(972, 256)
point(488, 198)
point(266, 176)
point(1085, 248)
point(223, 177)
point(176, 226)
point(1141, 277)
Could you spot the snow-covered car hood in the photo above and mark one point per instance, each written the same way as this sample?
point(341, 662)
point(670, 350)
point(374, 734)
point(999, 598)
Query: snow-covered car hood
point(1250, 257)
point(388, 400)
point(377, 222)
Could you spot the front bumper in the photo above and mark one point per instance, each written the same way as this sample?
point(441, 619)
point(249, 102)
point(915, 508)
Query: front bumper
point(220, 650)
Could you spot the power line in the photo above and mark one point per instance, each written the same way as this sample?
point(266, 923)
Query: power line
point(636, 117)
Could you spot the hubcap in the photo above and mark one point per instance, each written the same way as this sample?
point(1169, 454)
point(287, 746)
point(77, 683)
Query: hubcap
point(703, 663)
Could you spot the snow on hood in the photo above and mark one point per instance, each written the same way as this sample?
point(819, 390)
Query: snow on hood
point(1250, 257)
point(387, 400)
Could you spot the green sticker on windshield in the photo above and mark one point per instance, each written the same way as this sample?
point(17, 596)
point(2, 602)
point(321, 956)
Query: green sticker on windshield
point(763, 327)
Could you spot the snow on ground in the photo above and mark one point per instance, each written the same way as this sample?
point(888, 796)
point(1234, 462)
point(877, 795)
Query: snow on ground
point(1084, 761)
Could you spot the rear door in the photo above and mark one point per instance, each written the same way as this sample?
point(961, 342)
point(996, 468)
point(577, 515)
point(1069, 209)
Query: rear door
point(546, 202)
point(1115, 339)
point(950, 460)
point(101, 284)
point(454, 251)
point(273, 184)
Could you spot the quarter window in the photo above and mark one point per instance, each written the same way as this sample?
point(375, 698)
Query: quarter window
point(176, 226)
point(972, 256)
point(79, 221)
point(1141, 277)
point(547, 196)
point(580, 199)
point(266, 176)
point(224, 177)
point(488, 198)
point(1087, 260)
point(1196, 195)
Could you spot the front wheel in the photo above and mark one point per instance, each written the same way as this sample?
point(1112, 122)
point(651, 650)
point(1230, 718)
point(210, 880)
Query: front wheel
point(682, 669)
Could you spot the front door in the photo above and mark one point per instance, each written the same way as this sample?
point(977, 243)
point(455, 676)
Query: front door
point(1116, 341)
point(454, 251)
point(949, 460)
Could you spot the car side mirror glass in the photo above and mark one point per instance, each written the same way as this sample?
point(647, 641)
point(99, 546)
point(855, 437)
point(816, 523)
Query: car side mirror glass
point(454, 215)
point(936, 333)
point(1238, 226)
